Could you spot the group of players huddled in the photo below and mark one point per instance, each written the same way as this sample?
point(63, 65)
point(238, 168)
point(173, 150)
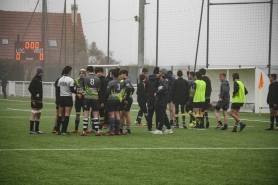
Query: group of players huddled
point(106, 101)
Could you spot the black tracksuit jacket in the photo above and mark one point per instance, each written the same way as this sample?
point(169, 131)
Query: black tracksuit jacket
point(272, 96)
point(35, 88)
point(163, 91)
point(180, 91)
point(151, 89)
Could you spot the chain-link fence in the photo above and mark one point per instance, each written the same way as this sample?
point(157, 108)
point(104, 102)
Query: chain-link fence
point(91, 32)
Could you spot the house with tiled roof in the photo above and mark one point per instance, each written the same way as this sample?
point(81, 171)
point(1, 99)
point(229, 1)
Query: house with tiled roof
point(28, 27)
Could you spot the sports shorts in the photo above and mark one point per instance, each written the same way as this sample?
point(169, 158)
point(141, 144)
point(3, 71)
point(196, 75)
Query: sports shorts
point(198, 104)
point(224, 105)
point(78, 104)
point(205, 107)
point(113, 105)
point(90, 103)
point(36, 104)
point(236, 105)
point(271, 105)
point(126, 107)
point(66, 101)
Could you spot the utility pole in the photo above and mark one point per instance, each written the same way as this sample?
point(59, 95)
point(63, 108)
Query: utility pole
point(43, 27)
point(141, 35)
point(108, 36)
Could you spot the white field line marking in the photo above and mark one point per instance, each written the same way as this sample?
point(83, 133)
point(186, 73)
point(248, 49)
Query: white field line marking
point(99, 149)
point(26, 101)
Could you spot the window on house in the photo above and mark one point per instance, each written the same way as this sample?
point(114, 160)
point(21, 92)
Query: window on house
point(52, 43)
point(5, 41)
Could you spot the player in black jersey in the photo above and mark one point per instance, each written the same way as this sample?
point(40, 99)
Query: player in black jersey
point(36, 90)
point(272, 100)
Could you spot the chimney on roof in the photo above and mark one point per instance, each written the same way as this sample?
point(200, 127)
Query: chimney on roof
point(72, 13)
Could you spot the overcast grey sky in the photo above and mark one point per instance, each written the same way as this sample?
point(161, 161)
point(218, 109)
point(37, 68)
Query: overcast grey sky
point(239, 34)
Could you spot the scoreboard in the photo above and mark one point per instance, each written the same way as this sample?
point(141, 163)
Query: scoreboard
point(29, 50)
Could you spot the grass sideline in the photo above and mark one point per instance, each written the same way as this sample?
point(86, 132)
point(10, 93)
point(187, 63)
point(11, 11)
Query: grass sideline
point(188, 156)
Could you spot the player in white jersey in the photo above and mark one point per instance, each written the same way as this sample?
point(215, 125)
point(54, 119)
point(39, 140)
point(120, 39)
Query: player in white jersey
point(66, 88)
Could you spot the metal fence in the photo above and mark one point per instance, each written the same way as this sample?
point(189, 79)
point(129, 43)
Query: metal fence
point(145, 33)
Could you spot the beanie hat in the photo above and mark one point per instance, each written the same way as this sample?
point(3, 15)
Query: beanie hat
point(82, 71)
point(156, 70)
point(163, 70)
point(39, 70)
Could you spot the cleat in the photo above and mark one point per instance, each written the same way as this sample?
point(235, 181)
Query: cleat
point(234, 130)
point(109, 134)
point(270, 128)
point(98, 134)
point(83, 134)
point(242, 126)
point(224, 128)
point(105, 126)
point(176, 126)
point(141, 124)
point(58, 132)
point(276, 128)
point(168, 131)
point(117, 133)
point(91, 131)
point(218, 126)
point(74, 131)
point(32, 132)
point(136, 123)
point(54, 131)
point(88, 131)
point(150, 130)
point(207, 125)
point(157, 132)
point(127, 132)
point(184, 126)
point(40, 132)
point(65, 133)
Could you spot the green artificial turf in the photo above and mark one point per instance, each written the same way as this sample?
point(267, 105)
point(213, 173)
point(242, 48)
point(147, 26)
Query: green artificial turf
point(188, 156)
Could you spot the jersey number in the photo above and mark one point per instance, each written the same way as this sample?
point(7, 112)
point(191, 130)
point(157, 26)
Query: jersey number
point(119, 87)
point(92, 81)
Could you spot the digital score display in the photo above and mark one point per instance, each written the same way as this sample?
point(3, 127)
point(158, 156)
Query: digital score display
point(29, 50)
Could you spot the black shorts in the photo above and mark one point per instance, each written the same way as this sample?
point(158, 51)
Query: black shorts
point(189, 108)
point(205, 107)
point(126, 107)
point(198, 104)
point(57, 105)
point(90, 103)
point(78, 104)
point(236, 105)
point(113, 105)
point(271, 106)
point(66, 101)
point(36, 104)
point(224, 105)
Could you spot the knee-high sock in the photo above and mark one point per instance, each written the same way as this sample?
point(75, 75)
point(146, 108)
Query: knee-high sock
point(117, 125)
point(59, 122)
point(111, 124)
point(96, 124)
point(85, 124)
point(65, 124)
point(77, 121)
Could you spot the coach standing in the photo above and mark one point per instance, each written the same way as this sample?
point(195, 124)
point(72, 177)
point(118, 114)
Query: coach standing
point(162, 97)
point(35, 88)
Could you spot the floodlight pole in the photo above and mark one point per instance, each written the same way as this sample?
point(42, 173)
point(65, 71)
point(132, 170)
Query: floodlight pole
point(207, 63)
point(200, 25)
point(270, 37)
point(157, 21)
point(108, 36)
point(141, 33)
point(74, 40)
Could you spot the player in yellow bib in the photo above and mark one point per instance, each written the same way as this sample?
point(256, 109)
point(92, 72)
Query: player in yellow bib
point(238, 100)
point(199, 98)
